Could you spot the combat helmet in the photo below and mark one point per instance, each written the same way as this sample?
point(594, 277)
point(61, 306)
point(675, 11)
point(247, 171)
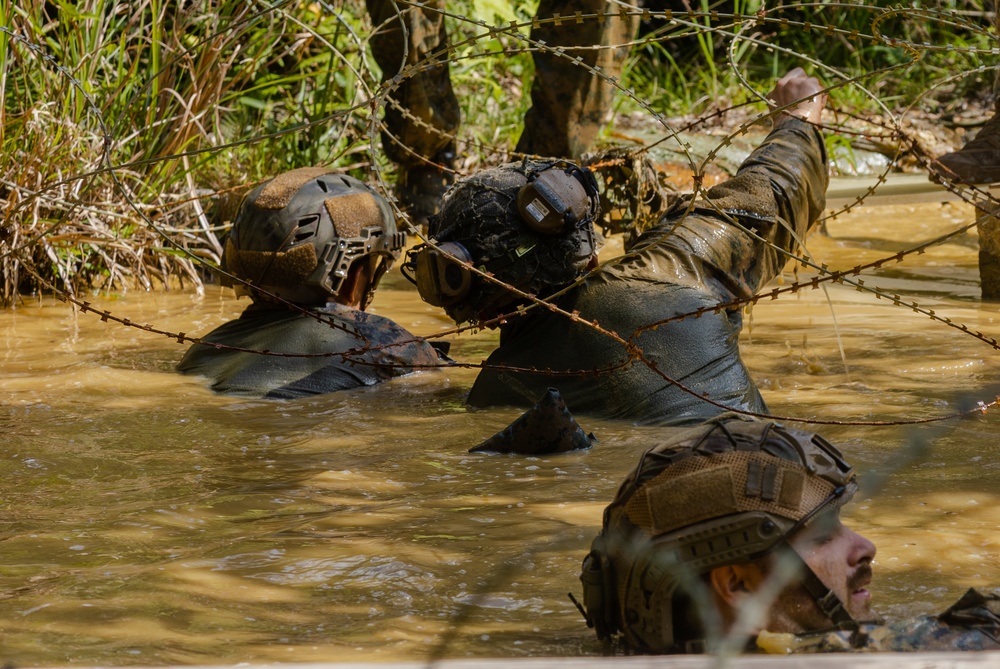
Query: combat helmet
point(297, 236)
point(729, 491)
point(529, 224)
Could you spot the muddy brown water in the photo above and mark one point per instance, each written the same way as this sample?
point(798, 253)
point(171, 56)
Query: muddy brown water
point(148, 521)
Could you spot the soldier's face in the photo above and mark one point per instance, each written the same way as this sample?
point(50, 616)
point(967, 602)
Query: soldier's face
point(842, 559)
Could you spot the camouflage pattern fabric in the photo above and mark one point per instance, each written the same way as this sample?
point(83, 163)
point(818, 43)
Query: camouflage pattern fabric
point(972, 623)
point(427, 95)
point(568, 103)
point(699, 260)
point(363, 350)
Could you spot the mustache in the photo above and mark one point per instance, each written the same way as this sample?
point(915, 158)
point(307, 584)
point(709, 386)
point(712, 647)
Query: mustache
point(861, 577)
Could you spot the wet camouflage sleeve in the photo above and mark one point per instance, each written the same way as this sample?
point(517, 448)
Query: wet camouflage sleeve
point(972, 623)
point(778, 193)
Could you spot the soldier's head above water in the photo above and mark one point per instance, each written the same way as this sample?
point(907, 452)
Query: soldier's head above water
point(309, 247)
point(311, 236)
point(724, 530)
point(529, 225)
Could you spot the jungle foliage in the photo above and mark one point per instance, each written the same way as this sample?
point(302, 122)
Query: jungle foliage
point(130, 129)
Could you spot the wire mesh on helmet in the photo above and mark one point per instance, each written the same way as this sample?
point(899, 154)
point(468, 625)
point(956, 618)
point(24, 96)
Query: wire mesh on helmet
point(480, 212)
point(297, 235)
point(729, 491)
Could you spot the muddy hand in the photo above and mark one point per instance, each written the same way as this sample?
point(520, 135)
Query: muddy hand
point(803, 93)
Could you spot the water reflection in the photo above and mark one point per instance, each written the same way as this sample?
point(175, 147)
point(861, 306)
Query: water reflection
point(146, 520)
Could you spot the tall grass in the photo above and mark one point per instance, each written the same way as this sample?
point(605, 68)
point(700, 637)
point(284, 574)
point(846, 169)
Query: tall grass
point(130, 129)
point(681, 68)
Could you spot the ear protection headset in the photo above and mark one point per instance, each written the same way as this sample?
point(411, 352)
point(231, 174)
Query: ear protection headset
point(555, 201)
point(559, 199)
point(442, 275)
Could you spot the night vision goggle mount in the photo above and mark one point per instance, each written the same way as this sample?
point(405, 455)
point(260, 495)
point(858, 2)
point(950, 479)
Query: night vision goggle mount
point(559, 199)
point(338, 255)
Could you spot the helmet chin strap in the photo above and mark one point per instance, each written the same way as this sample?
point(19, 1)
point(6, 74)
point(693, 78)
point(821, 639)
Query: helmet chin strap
point(826, 599)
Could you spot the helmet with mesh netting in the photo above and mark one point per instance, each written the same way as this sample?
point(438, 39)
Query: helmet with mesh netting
point(297, 236)
point(529, 224)
point(726, 492)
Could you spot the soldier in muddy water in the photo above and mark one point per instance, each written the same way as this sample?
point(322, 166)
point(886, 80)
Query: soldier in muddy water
point(309, 247)
point(728, 537)
point(652, 336)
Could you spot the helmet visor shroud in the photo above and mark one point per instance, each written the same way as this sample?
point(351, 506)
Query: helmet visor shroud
point(298, 235)
point(528, 224)
point(727, 492)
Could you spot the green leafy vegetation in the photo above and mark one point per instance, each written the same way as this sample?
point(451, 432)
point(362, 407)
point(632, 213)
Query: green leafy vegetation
point(129, 130)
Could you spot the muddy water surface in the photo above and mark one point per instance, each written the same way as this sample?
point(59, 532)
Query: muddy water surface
point(146, 520)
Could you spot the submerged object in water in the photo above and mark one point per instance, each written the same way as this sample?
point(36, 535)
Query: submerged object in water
point(546, 428)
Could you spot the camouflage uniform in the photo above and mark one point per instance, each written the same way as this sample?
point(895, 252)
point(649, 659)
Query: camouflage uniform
point(427, 95)
point(972, 623)
point(569, 103)
point(358, 349)
point(688, 262)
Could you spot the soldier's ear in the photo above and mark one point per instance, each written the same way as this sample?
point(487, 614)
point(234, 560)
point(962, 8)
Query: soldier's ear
point(733, 583)
point(726, 585)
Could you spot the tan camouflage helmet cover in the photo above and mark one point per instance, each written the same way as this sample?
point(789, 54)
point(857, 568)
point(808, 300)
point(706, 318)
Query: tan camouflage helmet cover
point(297, 235)
point(728, 491)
